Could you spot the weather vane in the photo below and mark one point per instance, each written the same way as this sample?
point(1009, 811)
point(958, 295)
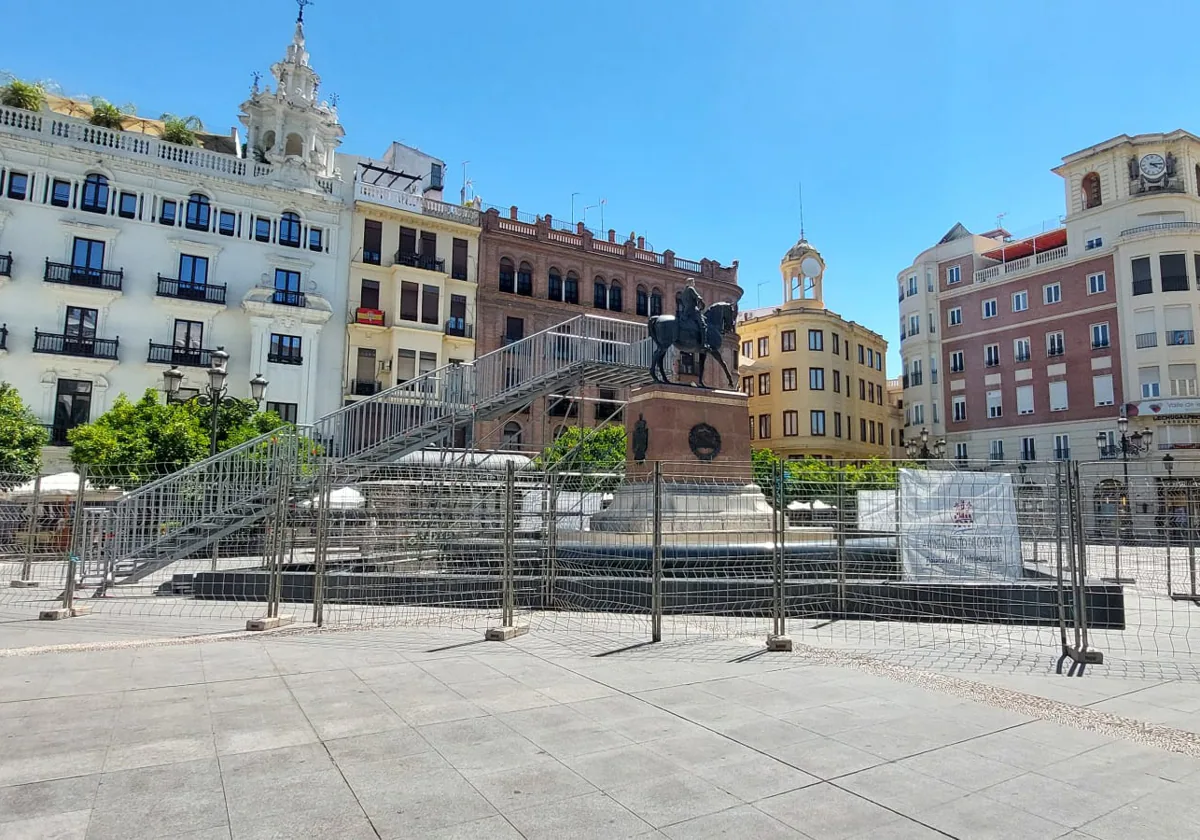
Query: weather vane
point(257, 76)
point(302, 4)
point(333, 99)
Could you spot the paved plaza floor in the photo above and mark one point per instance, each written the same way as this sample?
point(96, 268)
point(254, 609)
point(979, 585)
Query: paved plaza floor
point(433, 733)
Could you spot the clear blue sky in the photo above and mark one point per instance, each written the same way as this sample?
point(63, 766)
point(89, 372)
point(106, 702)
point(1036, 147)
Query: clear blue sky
point(693, 120)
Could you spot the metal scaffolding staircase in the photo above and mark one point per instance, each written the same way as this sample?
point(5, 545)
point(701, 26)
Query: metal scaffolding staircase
point(184, 513)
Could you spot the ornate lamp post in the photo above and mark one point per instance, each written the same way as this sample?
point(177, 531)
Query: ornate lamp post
point(921, 449)
point(215, 394)
point(1127, 446)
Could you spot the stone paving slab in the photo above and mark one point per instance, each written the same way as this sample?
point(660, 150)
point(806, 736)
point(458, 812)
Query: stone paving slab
point(428, 733)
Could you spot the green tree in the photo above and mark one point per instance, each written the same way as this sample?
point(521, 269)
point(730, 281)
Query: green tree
point(181, 130)
point(21, 436)
point(587, 458)
point(29, 96)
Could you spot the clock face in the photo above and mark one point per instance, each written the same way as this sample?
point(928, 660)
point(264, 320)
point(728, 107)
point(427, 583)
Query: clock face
point(1153, 166)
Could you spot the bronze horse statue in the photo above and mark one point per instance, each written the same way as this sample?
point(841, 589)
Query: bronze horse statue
point(667, 331)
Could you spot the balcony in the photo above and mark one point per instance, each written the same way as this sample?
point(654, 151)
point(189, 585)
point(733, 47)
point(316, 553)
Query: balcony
point(421, 261)
point(1164, 229)
point(6, 264)
point(82, 275)
point(285, 358)
point(1014, 267)
point(460, 328)
point(416, 203)
point(1144, 341)
point(4, 337)
point(1110, 453)
point(370, 317)
point(74, 345)
point(288, 297)
point(1179, 338)
point(365, 387)
point(169, 354)
point(169, 287)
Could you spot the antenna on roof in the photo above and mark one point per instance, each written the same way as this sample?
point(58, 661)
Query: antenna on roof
point(1000, 220)
point(800, 192)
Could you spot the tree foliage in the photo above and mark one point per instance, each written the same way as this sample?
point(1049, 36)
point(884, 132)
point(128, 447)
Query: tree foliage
point(21, 436)
point(108, 115)
point(29, 96)
point(811, 479)
point(181, 130)
point(590, 458)
point(136, 440)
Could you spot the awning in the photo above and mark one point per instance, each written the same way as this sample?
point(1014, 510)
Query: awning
point(1033, 245)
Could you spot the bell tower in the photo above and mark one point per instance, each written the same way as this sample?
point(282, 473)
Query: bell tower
point(290, 126)
point(803, 272)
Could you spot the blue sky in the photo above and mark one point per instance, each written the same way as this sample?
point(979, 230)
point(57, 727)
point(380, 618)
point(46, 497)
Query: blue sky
point(693, 121)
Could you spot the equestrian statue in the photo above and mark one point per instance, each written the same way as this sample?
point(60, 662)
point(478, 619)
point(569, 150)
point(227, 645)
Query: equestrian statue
point(693, 330)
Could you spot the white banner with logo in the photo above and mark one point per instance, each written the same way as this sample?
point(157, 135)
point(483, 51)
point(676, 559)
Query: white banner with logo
point(877, 510)
point(960, 525)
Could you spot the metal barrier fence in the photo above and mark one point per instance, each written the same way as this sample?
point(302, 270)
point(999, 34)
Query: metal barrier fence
point(826, 554)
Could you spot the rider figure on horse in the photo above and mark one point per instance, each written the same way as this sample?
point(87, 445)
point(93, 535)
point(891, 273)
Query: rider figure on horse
point(691, 312)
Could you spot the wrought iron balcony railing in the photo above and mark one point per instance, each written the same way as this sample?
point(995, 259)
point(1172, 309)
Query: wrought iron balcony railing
point(6, 264)
point(365, 387)
point(169, 287)
point(288, 297)
point(65, 344)
point(82, 275)
point(460, 328)
point(421, 261)
point(169, 354)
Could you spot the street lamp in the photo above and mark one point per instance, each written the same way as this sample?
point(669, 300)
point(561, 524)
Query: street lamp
point(921, 449)
point(215, 394)
point(1127, 446)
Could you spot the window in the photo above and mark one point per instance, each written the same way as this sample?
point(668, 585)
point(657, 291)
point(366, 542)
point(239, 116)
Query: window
point(1091, 242)
point(510, 437)
point(262, 231)
point(861, 355)
point(914, 328)
point(166, 215)
point(410, 301)
point(431, 308)
point(918, 413)
point(687, 364)
point(95, 194)
point(87, 258)
point(1024, 399)
point(555, 288)
point(127, 205)
point(1058, 395)
point(285, 349)
point(1148, 379)
point(862, 389)
point(599, 294)
point(912, 285)
point(289, 229)
point(514, 329)
point(751, 418)
point(764, 384)
point(748, 386)
point(879, 361)
point(764, 426)
point(862, 430)
point(996, 450)
point(198, 212)
point(932, 323)
point(373, 243)
point(1183, 380)
point(1062, 447)
point(960, 452)
point(316, 239)
point(995, 405)
point(791, 423)
point(507, 276)
point(816, 379)
point(1054, 343)
point(1099, 336)
point(60, 193)
point(1142, 284)
point(655, 302)
point(428, 364)
point(368, 295)
point(288, 412)
point(764, 346)
point(816, 423)
point(789, 379)
point(1173, 271)
point(837, 381)
point(957, 364)
point(79, 326)
point(615, 303)
point(787, 341)
point(287, 288)
point(1052, 293)
point(1097, 283)
point(953, 275)
point(1028, 449)
point(837, 424)
point(816, 340)
point(406, 366)
point(193, 273)
point(18, 187)
point(958, 408)
point(1021, 349)
point(1091, 191)
point(748, 349)
point(1020, 301)
point(837, 343)
point(642, 306)
point(991, 355)
point(407, 254)
point(525, 280)
point(989, 308)
point(189, 339)
point(72, 407)
point(1102, 389)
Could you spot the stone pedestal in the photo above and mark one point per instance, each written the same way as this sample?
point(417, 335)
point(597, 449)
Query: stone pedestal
point(701, 438)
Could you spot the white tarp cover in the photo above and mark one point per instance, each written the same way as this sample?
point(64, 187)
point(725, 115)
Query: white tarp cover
point(960, 525)
point(877, 510)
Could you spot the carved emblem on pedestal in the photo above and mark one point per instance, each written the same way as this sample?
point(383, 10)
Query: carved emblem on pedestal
point(705, 441)
point(640, 439)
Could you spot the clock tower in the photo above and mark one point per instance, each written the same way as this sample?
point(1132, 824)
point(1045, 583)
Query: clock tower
point(803, 272)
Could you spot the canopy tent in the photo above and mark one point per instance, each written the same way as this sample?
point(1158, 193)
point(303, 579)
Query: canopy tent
point(341, 498)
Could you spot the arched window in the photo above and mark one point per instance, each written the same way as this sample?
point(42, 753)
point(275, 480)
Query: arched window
point(571, 288)
point(95, 194)
point(525, 280)
point(1198, 179)
point(655, 302)
point(508, 276)
point(615, 303)
point(1091, 191)
point(556, 285)
point(289, 230)
point(643, 301)
point(510, 437)
point(295, 146)
point(198, 212)
point(599, 294)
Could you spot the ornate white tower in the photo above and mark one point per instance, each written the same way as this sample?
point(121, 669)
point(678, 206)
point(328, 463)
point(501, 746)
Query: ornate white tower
point(803, 271)
point(291, 127)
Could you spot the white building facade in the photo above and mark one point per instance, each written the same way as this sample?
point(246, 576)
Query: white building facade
point(125, 255)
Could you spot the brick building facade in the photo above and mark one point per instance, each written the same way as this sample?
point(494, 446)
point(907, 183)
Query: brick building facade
point(535, 272)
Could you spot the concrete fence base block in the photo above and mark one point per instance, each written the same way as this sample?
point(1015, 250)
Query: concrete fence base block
point(779, 644)
point(269, 623)
point(56, 614)
point(504, 634)
point(22, 584)
point(80, 609)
